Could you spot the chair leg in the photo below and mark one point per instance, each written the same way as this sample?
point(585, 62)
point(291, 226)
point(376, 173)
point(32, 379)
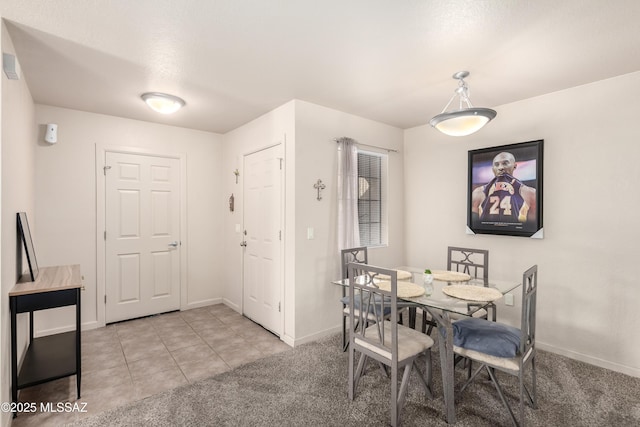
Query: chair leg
point(383, 369)
point(344, 334)
point(351, 374)
point(427, 379)
point(530, 395)
point(412, 317)
point(394, 396)
point(429, 372)
point(403, 386)
point(358, 373)
point(521, 378)
point(471, 378)
point(534, 401)
point(501, 394)
point(345, 339)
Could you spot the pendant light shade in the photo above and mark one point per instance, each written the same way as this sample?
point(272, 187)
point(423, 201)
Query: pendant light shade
point(162, 103)
point(466, 119)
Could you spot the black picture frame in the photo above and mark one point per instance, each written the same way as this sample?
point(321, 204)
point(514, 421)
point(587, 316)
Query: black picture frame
point(25, 236)
point(503, 203)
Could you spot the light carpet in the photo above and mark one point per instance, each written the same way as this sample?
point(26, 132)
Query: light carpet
point(307, 386)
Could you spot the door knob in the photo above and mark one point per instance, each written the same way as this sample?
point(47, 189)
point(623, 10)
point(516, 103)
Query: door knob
point(243, 244)
point(173, 244)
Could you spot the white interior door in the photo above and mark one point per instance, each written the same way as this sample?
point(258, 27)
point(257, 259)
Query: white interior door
point(263, 250)
point(142, 216)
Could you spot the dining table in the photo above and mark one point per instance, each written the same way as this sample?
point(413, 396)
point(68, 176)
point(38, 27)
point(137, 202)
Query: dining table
point(440, 304)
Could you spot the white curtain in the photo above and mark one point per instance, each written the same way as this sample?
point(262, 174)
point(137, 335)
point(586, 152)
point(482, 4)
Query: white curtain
point(348, 227)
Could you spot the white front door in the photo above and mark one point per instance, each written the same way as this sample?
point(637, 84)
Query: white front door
point(142, 216)
point(263, 250)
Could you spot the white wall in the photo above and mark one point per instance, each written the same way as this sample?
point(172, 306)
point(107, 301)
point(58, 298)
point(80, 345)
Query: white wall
point(17, 194)
point(65, 189)
point(318, 260)
point(588, 290)
point(311, 307)
point(275, 127)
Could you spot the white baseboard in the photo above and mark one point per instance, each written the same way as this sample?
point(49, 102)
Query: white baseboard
point(202, 303)
point(232, 305)
point(628, 370)
point(94, 324)
point(53, 331)
point(288, 340)
point(314, 337)
point(86, 326)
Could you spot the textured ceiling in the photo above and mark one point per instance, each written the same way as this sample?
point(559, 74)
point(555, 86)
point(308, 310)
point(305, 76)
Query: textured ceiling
point(386, 60)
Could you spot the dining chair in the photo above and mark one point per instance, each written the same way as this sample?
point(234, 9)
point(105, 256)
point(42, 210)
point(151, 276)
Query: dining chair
point(387, 342)
point(504, 348)
point(475, 263)
point(352, 255)
point(357, 255)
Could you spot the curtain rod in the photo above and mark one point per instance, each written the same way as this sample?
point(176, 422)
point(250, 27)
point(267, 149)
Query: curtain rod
point(388, 150)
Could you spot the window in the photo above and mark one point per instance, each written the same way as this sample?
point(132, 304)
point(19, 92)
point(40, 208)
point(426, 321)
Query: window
point(371, 198)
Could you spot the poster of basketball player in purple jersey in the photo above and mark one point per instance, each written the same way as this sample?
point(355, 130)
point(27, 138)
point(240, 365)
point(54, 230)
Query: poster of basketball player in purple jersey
point(505, 190)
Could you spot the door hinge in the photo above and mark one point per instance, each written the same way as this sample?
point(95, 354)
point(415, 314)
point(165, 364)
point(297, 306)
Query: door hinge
point(279, 307)
point(105, 299)
point(280, 163)
point(105, 168)
point(280, 235)
point(105, 235)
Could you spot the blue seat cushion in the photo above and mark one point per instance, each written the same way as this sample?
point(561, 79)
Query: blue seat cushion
point(372, 309)
point(487, 337)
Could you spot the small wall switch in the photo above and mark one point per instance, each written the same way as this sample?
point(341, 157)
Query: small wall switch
point(508, 299)
point(238, 228)
point(310, 233)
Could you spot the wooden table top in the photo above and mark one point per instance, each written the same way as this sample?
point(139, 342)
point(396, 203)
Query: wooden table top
point(49, 279)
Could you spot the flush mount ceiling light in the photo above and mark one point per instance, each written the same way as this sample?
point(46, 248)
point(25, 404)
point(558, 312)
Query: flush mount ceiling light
point(162, 102)
point(466, 119)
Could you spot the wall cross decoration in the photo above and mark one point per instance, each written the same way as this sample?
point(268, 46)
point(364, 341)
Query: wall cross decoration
point(319, 186)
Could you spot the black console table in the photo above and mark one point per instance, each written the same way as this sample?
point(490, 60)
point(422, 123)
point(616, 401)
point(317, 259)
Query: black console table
point(50, 357)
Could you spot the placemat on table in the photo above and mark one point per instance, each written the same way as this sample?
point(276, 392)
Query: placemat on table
point(472, 293)
point(405, 289)
point(402, 275)
point(450, 276)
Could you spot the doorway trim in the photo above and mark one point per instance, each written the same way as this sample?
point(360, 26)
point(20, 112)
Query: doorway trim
point(283, 251)
point(101, 154)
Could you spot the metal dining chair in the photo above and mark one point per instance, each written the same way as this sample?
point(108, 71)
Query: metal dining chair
point(386, 342)
point(357, 255)
point(504, 348)
point(475, 263)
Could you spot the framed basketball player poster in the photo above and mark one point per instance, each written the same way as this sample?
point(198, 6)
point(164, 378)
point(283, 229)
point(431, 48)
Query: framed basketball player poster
point(505, 190)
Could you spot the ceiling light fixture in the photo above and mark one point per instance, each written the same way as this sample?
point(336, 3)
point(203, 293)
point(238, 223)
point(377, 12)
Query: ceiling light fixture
point(162, 102)
point(466, 119)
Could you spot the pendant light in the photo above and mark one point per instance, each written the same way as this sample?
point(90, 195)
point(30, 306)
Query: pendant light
point(466, 119)
point(162, 103)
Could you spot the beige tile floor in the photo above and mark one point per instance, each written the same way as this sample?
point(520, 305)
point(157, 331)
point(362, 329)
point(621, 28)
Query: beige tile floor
point(128, 361)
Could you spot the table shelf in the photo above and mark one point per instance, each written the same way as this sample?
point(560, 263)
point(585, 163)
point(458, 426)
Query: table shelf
point(48, 358)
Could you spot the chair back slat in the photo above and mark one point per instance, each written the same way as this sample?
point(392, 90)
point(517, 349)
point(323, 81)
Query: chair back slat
point(474, 262)
point(528, 321)
point(357, 255)
point(380, 303)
